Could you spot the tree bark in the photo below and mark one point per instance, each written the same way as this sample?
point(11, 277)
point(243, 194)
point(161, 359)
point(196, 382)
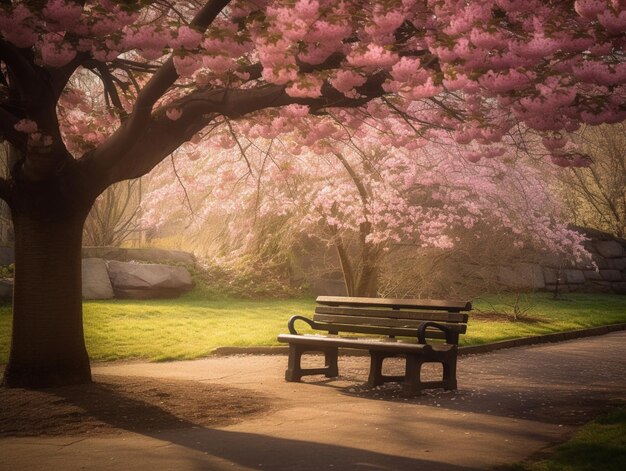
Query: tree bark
point(367, 284)
point(48, 347)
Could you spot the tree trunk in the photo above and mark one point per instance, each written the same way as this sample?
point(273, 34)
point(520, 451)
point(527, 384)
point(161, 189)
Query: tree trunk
point(47, 347)
point(367, 284)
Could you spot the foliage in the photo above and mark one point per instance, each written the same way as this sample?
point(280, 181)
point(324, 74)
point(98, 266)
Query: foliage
point(248, 278)
point(600, 444)
point(113, 218)
point(7, 271)
point(595, 197)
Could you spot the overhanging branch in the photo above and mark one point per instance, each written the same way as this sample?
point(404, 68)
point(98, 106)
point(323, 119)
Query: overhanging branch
point(123, 139)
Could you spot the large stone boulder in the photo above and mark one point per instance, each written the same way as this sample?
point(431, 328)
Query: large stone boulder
point(148, 280)
point(96, 283)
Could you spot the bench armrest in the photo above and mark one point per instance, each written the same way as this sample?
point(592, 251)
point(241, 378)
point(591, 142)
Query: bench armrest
point(292, 321)
point(451, 337)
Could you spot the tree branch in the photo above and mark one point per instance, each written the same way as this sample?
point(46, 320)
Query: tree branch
point(120, 142)
point(111, 90)
point(161, 136)
point(19, 66)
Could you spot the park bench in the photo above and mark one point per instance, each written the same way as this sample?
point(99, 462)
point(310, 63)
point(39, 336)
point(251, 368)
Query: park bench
point(393, 327)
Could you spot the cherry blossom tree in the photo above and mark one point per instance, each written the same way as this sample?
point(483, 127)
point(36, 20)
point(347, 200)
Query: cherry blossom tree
point(170, 72)
point(365, 201)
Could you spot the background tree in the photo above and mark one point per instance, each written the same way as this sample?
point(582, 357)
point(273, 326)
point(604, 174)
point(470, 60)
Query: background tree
point(364, 203)
point(170, 70)
point(596, 196)
point(114, 216)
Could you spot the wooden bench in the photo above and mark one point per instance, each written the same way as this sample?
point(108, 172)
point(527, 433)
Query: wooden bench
point(413, 320)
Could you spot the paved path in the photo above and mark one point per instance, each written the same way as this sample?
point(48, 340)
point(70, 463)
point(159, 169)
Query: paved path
point(510, 404)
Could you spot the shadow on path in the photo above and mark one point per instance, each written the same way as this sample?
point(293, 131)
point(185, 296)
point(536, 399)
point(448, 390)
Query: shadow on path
point(219, 449)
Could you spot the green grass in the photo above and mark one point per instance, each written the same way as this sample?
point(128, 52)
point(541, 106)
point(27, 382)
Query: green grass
point(194, 325)
point(599, 445)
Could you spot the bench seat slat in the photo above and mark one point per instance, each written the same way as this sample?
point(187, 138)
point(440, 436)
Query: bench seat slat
point(392, 347)
point(384, 322)
point(394, 314)
point(435, 304)
point(386, 331)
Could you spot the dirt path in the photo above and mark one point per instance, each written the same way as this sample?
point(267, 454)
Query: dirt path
point(510, 404)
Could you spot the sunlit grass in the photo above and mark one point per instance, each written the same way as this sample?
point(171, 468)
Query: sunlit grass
point(194, 325)
point(599, 445)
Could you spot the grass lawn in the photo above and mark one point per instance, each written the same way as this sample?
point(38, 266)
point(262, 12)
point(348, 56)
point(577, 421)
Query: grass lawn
point(599, 445)
point(194, 325)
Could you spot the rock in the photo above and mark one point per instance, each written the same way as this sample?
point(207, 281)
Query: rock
point(148, 280)
point(521, 276)
point(550, 275)
point(611, 275)
point(143, 255)
point(592, 275)
point(574, 276)
point(600, 262)
point(617, 263)
point(6, 289)
point(96, 283)
point(610, 249)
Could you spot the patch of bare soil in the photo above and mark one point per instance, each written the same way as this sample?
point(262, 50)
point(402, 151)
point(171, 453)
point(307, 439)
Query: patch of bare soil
point(112, 404)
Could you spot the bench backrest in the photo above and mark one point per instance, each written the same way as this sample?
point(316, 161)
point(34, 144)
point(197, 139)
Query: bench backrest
point(391, 317)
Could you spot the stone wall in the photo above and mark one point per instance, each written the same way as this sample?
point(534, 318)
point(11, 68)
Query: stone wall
point(609, 255)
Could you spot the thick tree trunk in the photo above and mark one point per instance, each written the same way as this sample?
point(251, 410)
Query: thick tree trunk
point(47, 347)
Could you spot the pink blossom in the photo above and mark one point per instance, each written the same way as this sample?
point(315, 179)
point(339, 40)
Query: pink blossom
point(307, 86)
point(26, 126)
point(614, 23)
point(218, 64)
point(55, 52)
point(186, 38)
point(174, 113)
point(186, 65)
point(372, 58)
point(62, 15)
point(295, 111)
point(346, 80)
point(590, 8)
point(18, 27)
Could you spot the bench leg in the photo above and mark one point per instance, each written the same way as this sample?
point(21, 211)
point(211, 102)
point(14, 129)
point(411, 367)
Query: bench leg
point(412, 385)
point(295, 372)
point(331, 355)
point(376, 369)
point(449, 374)
point(376, 377)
